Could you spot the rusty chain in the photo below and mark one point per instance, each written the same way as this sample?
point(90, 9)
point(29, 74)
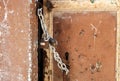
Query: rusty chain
point(47, 37)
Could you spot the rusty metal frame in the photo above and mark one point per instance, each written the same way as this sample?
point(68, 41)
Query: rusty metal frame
point(79, 6)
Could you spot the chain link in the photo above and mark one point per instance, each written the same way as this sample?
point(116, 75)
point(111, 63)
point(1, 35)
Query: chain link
point(46, 37)
point(57, 58)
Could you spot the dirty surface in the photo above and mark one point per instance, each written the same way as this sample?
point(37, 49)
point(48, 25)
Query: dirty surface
point(87, 44)
point(15, 41)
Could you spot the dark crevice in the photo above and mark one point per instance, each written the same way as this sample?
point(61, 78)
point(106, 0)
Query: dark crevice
point(40, 50)
point(67, 56)
point(67, 59)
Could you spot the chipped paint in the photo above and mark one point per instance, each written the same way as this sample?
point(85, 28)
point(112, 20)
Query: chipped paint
point(29, 48)
point(95, 29)
point(3, 24)
point(4, 56)
point(82, 6)
point(15, 42)
point(94, 44)
point(30, 56)
point(30, 1)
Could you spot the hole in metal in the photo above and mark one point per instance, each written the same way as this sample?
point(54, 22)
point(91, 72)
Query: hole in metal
point(67, 56)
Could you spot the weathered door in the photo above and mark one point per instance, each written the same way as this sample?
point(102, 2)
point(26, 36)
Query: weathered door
point(88, 39)
point(18, 40)
point(87, 43)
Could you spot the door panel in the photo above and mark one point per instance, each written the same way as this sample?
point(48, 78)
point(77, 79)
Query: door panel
point(87, 44)
point(88, 39)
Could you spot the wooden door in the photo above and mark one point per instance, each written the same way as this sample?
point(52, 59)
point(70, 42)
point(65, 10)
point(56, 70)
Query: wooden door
point(88, 39)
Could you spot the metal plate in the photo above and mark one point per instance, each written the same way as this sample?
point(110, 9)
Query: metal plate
point(85, 41)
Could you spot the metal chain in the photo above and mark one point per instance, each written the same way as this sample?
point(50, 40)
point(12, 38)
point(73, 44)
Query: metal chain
point(46, 37)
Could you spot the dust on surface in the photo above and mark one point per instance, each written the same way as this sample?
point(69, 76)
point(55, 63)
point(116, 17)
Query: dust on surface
point(90, 39)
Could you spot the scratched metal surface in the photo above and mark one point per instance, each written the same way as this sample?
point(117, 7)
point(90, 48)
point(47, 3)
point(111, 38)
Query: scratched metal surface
point(87, 44)
point(16, 41)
